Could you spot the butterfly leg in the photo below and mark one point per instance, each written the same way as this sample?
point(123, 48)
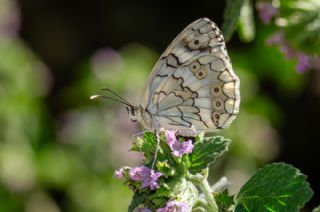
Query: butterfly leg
point(135, 135)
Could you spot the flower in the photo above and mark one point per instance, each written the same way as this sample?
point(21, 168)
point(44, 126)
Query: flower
point(143, 210)
point(137, 173)
point(119, 173)
point(266, 11)
point(178, 148)
point(148, 176)
point(305, 61)
point(175, 206)
point(279, 40)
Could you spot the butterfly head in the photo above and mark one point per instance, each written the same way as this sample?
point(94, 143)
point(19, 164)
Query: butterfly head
point(132, 112)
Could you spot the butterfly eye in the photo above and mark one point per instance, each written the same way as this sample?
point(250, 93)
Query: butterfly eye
point(215, 118)
point(195, 44)
point(216, 89)
point(194, 66)
point(198, 71)
point(200, 74)
point(217, 104)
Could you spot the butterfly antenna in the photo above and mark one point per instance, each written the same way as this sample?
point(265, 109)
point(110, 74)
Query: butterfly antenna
point(114, 93)
point(106, 97)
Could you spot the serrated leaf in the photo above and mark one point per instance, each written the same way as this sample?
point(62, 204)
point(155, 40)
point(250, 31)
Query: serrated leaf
point(137, 199)
point(275, 187)
point(224, 201)
point(231, 17)
point(150, 137)
point(145, 144)
point(207, 152)
point(246, 22)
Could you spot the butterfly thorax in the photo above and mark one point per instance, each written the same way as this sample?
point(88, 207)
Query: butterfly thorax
point(146, 118)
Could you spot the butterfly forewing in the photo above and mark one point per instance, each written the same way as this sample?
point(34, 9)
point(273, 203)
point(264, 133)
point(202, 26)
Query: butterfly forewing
point(193, 84)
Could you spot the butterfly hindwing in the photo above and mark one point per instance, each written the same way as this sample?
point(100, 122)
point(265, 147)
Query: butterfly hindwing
point(193, 84)
point(203, 103)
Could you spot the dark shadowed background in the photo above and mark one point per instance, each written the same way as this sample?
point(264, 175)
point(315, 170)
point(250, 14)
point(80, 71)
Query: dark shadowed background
point(58, 149)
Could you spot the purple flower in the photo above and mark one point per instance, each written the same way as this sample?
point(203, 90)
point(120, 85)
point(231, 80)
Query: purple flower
point(279, 40)
point(178, 148)
point(137, 173)
point(175, 206)
point(119, 173)
point(305, 61)
point(143, 210)
point(266, 11)
point(148, 176)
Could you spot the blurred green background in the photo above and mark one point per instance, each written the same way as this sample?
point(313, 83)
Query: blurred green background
point(58, 149)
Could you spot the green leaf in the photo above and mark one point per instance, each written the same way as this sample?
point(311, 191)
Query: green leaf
point(231, 18)
point(246, 22)
point(206, 152)
point(275, 187)
point(145, 144)
point(165, 168)
point(137, 199)
point(224, 201)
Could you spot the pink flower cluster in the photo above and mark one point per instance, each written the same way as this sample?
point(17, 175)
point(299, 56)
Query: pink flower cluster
point(172, 206)
point(147, 176)
point(305, 61)
point(178, 148)
point(266, 12)
point(175, 206)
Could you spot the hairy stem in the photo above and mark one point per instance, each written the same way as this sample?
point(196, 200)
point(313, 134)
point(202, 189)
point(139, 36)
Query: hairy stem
point(202, 182)
point(206, 189)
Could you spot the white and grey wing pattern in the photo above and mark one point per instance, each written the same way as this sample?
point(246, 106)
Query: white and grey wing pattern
point(193, 84)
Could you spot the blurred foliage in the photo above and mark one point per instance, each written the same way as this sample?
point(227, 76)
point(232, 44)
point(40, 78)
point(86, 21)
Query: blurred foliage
point(301, 16)
point(231, 17)
point(64, 161)
point(246, 22)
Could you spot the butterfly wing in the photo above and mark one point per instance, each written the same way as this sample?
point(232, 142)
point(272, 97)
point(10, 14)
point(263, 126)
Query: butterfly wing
point(175, 55)
point(193, 84)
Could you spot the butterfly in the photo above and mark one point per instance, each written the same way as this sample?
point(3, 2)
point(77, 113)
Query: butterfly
point(192, 87)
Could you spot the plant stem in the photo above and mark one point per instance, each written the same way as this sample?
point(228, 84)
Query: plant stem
point(204, 186)
point(206, 189)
